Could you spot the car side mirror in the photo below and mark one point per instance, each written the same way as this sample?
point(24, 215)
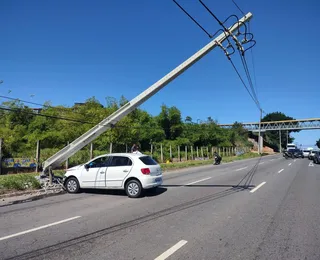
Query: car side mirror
point(86, 166)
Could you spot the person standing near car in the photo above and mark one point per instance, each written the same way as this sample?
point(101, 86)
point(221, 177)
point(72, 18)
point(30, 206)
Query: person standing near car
point(135, 149)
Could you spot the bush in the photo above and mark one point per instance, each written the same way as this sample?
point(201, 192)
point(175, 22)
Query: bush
point(19, 182)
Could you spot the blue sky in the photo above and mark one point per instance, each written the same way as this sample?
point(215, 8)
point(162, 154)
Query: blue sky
point(68, 51)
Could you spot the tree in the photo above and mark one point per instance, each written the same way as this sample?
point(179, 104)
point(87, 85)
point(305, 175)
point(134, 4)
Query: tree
point(318, 143)
point(272, 137)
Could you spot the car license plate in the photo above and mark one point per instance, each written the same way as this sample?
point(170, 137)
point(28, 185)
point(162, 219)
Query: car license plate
point(158, 179)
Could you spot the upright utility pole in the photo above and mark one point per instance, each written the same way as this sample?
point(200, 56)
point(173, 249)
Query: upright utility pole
point(287, 137)
point(259, 138)
point(280, 141)
point(0, 156)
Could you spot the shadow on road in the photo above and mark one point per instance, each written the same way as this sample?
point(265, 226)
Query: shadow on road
point(212, 185)
point(146, 193)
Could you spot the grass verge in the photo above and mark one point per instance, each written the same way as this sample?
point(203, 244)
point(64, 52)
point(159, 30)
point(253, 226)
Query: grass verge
point(181, 165)
point(18, 182)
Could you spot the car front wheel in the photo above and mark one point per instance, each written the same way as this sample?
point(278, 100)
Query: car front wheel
point(133, 189)
point(72, 185)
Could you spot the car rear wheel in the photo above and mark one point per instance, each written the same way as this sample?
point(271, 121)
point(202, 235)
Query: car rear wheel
point(133, 189)
point(72, 185)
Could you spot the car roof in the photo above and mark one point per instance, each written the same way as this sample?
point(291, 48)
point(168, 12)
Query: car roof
point(122, 154)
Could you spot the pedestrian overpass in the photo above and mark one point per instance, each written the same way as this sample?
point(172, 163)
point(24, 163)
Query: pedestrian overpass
point(298, 124)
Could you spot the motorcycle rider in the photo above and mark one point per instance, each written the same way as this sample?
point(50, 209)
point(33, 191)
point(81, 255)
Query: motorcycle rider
point(217, 158)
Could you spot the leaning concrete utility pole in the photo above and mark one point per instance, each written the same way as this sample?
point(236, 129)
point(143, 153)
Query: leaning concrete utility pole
point(111, 120)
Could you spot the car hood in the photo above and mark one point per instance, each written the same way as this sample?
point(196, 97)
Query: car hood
point(74, 168)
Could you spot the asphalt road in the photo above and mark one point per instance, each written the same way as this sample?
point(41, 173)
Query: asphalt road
point(264, 208)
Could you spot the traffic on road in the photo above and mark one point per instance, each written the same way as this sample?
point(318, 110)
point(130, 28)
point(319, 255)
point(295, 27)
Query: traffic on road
point(226, 211)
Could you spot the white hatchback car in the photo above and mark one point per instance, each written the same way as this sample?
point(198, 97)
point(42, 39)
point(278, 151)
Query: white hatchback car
point(129, 171)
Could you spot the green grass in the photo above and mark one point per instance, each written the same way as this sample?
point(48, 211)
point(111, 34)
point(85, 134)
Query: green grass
point(181, 165)
point(14, 182)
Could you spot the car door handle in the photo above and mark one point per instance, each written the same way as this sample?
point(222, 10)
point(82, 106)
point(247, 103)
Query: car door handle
point(125, 170)
point(102, 172)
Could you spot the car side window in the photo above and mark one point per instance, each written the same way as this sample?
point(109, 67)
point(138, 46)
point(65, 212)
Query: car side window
point(99, 162)
point(120, 161)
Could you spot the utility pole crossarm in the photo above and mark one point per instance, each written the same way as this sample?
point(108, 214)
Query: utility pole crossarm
point(111, 120)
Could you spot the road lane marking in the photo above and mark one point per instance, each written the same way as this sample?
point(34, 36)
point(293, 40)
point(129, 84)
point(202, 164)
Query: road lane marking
point(271, 160)
point(294, 160)
point(289, 164)
point(258, 187)
point(171, 250)
point(241, 168)
point(311, 164)
point(261, 163)
point(38, 228)
point(280, 170)
point(194, 182)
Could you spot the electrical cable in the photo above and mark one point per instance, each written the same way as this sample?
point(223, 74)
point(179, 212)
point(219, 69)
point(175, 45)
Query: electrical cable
point(244, 84)
point(238, 7)
point(194, 20)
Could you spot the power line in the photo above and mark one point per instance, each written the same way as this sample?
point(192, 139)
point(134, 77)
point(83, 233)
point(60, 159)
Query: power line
point(238, 7)
point(253, 65)
point(194, 20)
point(244, 84)
point(43, 115)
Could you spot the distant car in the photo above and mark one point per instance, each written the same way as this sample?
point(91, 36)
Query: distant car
point(306, 153)
point(316, 157)
point(129, 171)
point(297, 153)
point(311, 154)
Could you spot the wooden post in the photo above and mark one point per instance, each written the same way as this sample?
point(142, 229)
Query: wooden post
point(38, 156)
point(110, 150)
point(208, 153)
point(0, 156)
point(202, 152)
point(161, 153)
point(191, 152)
point(91, 151)
point(197, 151)
point(170, 152)
point(179, 153)
point(186, 152)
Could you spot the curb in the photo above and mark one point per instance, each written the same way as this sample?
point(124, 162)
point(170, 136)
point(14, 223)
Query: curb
point(33, 198)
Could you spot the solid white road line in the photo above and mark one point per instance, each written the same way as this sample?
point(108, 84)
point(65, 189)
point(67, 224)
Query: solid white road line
point(259, 186)
point(241, 168)
point(194, 182)
point(171, 250)
point(280, 170)
point(261, 163)
point(289, 164)
point(38, 228)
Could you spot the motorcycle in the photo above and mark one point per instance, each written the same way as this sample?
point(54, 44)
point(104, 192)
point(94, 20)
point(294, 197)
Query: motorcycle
point(217, 159)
